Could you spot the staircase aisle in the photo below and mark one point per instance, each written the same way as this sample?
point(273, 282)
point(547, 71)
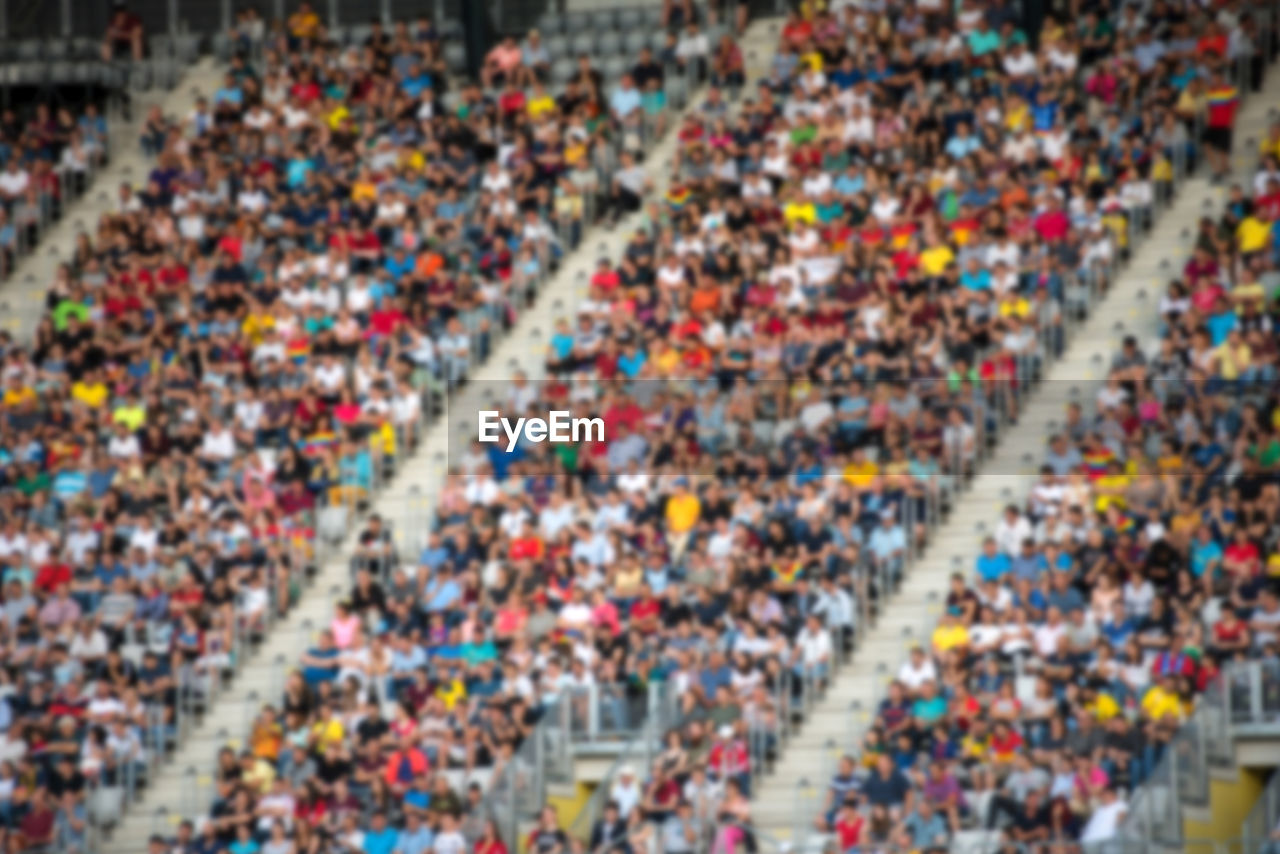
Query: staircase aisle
point(786, 801)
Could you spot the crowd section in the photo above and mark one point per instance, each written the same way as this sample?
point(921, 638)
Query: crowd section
point(1142, 563)
point(230, 363)
point(852, 274)
point(48, 156)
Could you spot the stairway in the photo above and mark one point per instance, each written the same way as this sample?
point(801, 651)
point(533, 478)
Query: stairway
point(786, 801)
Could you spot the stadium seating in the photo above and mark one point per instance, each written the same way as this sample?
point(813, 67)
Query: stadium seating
point(229, 369)
point(854, 273)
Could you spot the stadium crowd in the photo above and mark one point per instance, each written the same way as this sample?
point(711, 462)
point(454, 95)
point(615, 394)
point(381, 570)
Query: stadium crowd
point(233, 359)
point(850, 276)
point(47, 159)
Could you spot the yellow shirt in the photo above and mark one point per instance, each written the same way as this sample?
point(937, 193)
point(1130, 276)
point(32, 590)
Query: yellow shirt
point(91, 395)
point(935, 259)
point(261, 776)
point(946, 638)
point(255, 325)
point(1017, 118)
point(1271, 145)
point(17, 396)
point(1109, 484)
point(132, 417)
point(683, 512)
point(1014, 306)
point(861, 475)
point(1249, 292)
point(304, 25)
point(364, 190)
point(1104, 708)
point(1159, 704)
point(337, 117)
point(328, 732)
point(1253, 234)
point(452, 693)
point(538, 106)
point(1231, 360)
point(800, 212)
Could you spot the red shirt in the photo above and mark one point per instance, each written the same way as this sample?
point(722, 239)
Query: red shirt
point(384, 321)
point(1052, 225)
point(52, 576)
point(1005, 748)
point(849, 830)
point(645, 610)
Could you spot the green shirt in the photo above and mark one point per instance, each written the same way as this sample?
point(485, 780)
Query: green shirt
point(66, 309)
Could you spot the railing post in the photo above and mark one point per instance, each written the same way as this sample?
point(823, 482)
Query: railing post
point(1255, 691)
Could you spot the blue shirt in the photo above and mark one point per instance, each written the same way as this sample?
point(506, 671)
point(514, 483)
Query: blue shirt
point(315, 674)
point(445, 595)
point(959, 147)
point(624, 101)
point(992, 567)
point(885, 541)
point(1202, 554)
point(415, 842)
point(1220, 324)
point(380, 841)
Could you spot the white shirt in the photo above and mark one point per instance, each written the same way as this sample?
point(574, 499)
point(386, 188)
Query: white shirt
point(815, 647)
point(1104, 822)
point(14, 183)
point(219, 445)
point(449, 842)
point(1009, 535)
point(913, 677)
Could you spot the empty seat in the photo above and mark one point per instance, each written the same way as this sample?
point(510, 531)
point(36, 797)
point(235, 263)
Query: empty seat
point(576, 22)
point(556, 45)
point(603, 20)
point(677, 91)
point(614, 66)
point(633, 41)
point(85, 48)
point(455, 55)
point(28, 51)
point(609, 43)
point(631, 19)
point(360, 32)
point(583, 42)
point(551, 23)
point(186, 48)
point(562, 70)
point(140, 76)
point(57, 49)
